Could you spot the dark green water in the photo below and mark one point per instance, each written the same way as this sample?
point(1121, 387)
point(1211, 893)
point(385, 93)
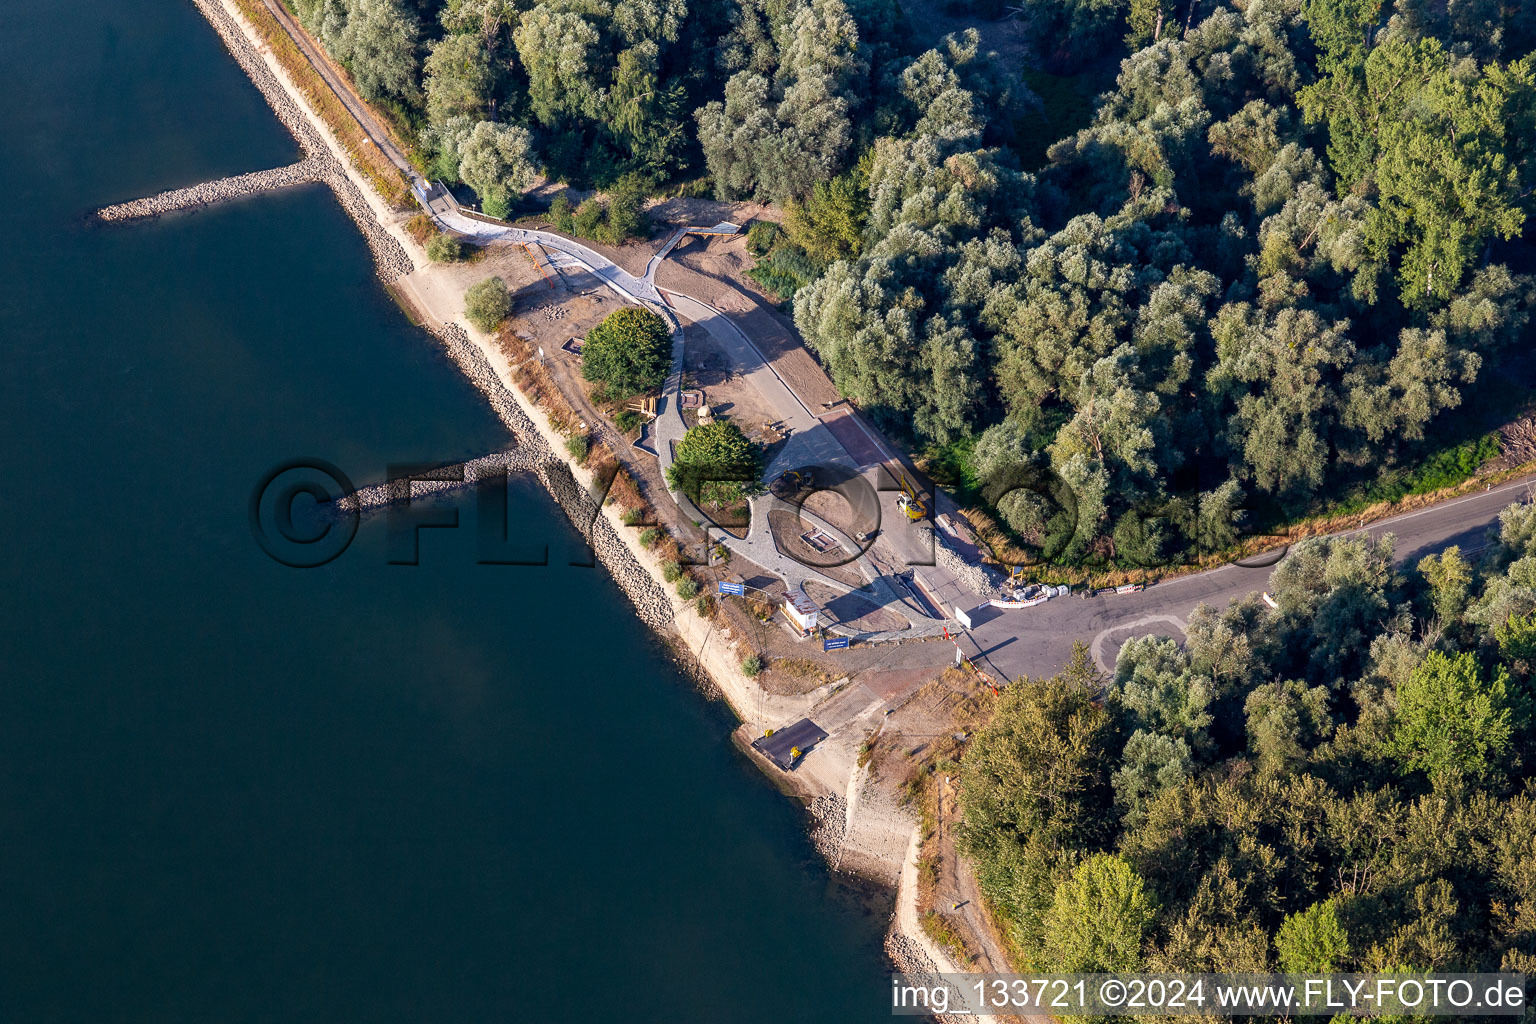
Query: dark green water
point(232, 791)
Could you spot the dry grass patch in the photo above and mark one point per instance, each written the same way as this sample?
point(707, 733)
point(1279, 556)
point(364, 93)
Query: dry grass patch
point(383, 175)
point(805, 669)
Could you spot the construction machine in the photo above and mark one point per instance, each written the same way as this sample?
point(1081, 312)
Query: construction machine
point(910, 502)
point(795, 480)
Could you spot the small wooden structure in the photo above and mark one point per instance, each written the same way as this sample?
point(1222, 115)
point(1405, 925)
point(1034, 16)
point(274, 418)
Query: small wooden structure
point(801, 610)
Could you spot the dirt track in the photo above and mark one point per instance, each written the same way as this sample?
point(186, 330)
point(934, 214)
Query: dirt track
point(700, 269)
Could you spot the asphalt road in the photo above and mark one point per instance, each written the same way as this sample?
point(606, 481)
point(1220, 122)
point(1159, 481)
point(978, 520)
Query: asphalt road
point(1038, 641)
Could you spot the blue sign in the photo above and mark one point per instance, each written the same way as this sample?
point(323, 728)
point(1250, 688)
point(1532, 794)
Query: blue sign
point(836, 643)
point(738, 589)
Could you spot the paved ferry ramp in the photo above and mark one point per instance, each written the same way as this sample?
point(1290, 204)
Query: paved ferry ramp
point(778, 748)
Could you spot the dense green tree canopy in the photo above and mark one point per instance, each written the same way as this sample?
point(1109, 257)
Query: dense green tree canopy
point(629, 353)
point(1376, 811)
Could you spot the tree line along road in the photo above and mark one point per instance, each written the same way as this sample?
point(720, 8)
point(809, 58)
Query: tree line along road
point(1038, 641)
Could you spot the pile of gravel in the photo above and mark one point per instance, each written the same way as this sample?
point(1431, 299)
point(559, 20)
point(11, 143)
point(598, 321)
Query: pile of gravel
point(982, 580)
point(829, 815)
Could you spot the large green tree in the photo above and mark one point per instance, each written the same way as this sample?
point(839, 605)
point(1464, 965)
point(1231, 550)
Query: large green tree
point(558, 43)
point(715, 464)
point(1098, 918)
point(1312, 940)
point(1454, 168)
point(496, 160)
point(628, 353)
point(459, 78)
point(1452, 722)
point(776, 135)
point(379, 46)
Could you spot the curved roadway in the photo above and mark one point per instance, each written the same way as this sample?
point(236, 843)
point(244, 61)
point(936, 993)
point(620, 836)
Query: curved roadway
point(1034, 641)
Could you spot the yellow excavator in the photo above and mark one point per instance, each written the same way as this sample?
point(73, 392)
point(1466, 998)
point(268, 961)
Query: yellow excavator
point(910, 501)
point(799, 479)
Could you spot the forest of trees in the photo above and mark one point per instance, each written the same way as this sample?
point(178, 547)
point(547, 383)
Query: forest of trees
point(1347, 782)
point(1272, 261)
point(1288, 244)
point(766, 96)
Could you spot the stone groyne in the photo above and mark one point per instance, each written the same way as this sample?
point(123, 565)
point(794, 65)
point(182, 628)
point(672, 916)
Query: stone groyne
point(532, 453)
point(320, 163)
point(443, 480)
point(305, 171)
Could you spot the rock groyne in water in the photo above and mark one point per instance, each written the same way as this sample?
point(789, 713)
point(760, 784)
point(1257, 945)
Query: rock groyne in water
point(207, 192)
point(532, 453)
point(320, 163)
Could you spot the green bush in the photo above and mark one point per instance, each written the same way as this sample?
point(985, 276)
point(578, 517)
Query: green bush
point(762, 236)
point(687, 589)
point(629, 353)
point(671, 571)
point(578, 447)
point(785, 271)
point(627, 420)
point(589, 216)
point(444, 248)
point(495, 206)
point(651, 537)
point(631, 517)
point(625, 217)
point(752, 664)
point(1453, 465)
point(487, 304)
point(560, 214)
point(612, 220)
point(715, 463)
point(705, 605)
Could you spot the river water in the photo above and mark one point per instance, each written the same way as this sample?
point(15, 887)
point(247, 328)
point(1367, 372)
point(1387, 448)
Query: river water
point(236, 791)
